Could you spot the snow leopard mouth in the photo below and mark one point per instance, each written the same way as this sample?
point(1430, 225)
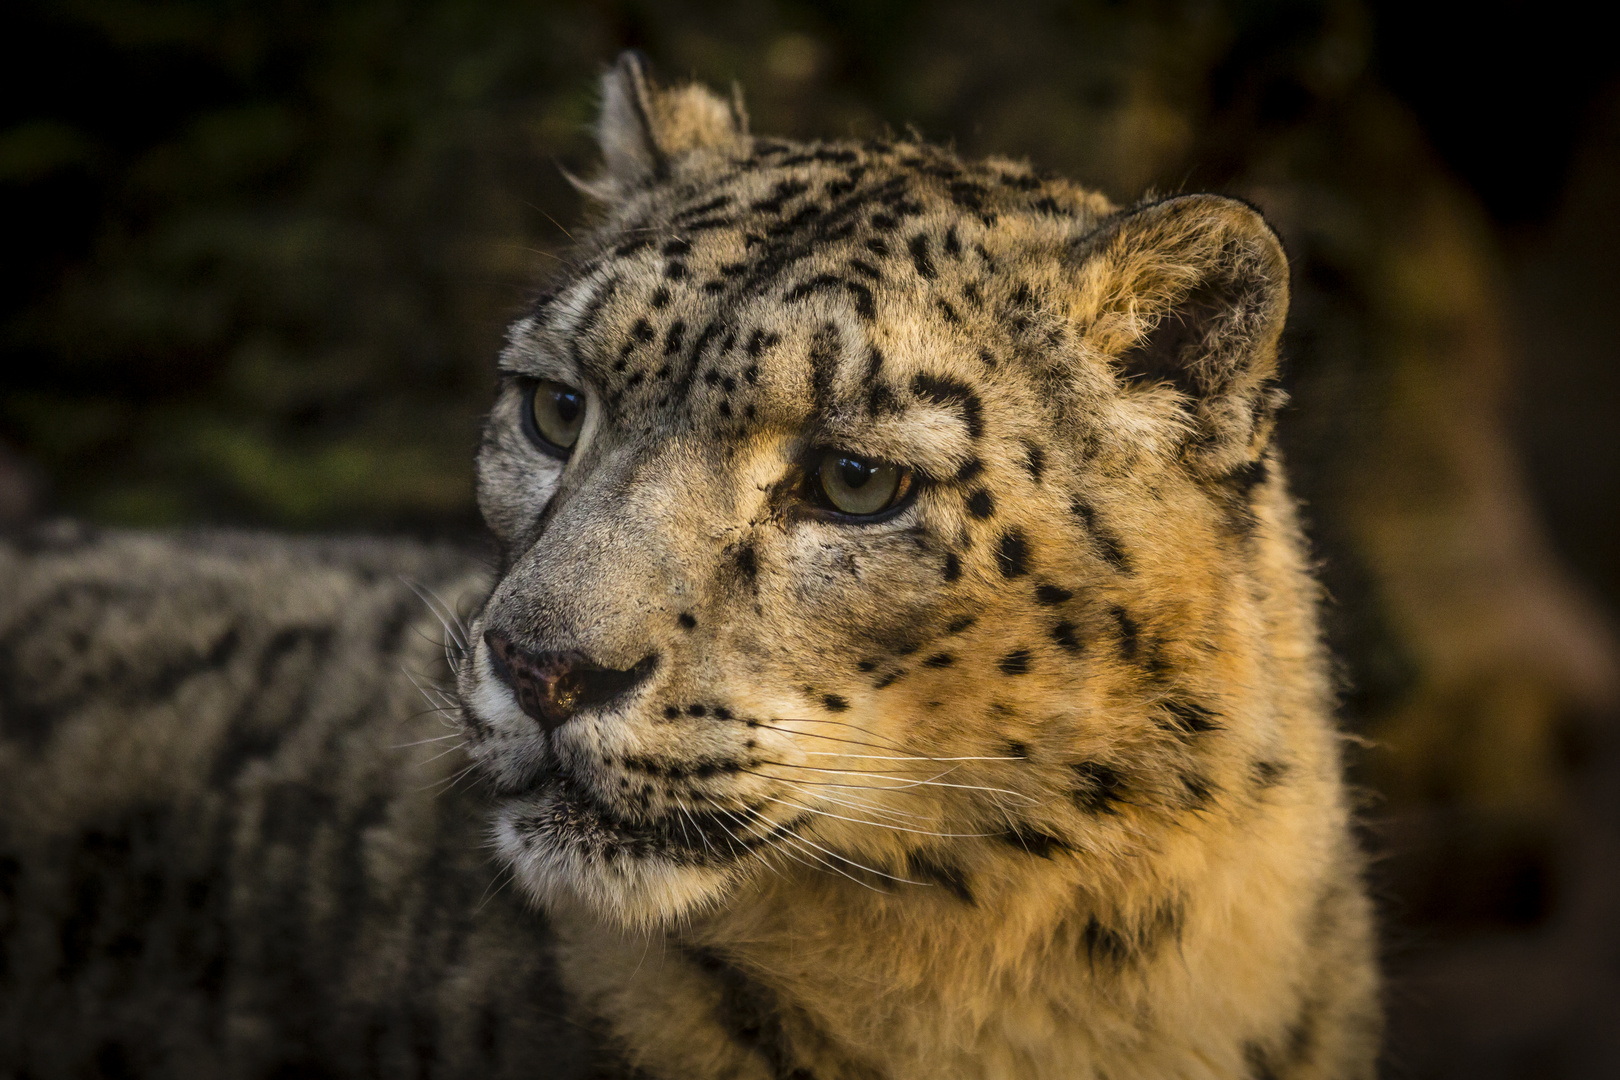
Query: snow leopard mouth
point(556, 809)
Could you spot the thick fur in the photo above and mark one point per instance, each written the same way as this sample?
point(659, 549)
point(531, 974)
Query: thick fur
point(225, 849)
point(1034, 777)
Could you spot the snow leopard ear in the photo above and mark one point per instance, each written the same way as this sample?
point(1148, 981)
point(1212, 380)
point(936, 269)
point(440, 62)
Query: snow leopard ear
point(643, 126)
point(1191, 294)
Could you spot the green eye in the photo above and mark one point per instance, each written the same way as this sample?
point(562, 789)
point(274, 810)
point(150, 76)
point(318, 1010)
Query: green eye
point(554, 416)
point(860, 487)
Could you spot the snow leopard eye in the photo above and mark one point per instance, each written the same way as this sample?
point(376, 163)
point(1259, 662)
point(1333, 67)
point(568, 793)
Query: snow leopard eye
point(859, 487)
point(553, 415)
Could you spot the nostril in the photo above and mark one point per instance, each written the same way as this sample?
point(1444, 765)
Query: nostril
point(552, 686)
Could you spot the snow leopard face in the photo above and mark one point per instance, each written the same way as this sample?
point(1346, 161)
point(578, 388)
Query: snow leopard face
point(869, 509)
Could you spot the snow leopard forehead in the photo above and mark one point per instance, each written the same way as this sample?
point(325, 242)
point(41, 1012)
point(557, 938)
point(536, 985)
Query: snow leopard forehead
point(873, 265)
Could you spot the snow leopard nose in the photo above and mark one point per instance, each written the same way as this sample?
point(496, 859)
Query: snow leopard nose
point(553, 686)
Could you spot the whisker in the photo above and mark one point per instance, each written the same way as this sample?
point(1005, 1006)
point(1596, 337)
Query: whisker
point(504, 879)
point(904, 784)
point(908, 786)
point(799, 843)
point(451, 780)
point(846, 772)
point(756, 853)
point(858, 804)
point(436, 757)
point(879, 824)
point(843, 858)
point(454, 628)
point(424, 742)
point(908, 757)
point(829, 738)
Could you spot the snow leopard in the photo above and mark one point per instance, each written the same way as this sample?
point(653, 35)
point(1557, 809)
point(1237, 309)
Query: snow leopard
point(900, 659)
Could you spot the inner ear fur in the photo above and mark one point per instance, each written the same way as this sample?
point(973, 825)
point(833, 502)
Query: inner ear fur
point(644, 127)
point(1192, 293)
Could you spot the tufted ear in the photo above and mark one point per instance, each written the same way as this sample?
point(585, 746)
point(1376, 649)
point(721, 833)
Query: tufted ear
point(1191, 293)
point(643, 126)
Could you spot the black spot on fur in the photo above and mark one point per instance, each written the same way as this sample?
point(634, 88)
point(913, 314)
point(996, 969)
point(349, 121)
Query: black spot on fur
point(864, 306)
point(710, 331)
point(881, 400)
point(1200, 791)
point(959, 624)
point(660, 298)
point(970, 469)
point(1064, 634)
point(686, 620)
point(249, 737)
point(1015, 662)
point(1243, 480)
point(671, 711)
point(865, 665)
point(673, 337)
point(943, 390)
point(1259, 1062)
point(706, 208)
point(749, 1012)
point(678, 246)
point(939, 660)
point(948, 876)
point(980, 504)
point(947, 312)
point(953, 567)
point(1099, 788)
point(1107, 544)
point(953, 244)
point(824, 349)
point(874, 365)
point(1268, 774)
point(784, 191)
point(1052, 595)
point(1187, 718)
point(759, 341)
point(745, 563)
point(1034, 461)
point(1104, 944)
point(834, 703)
point(696, 710)
point(1128, 632)
point(1012, 554)
point(1033, 841)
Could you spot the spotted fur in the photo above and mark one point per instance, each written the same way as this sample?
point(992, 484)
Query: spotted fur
point(1034, 777)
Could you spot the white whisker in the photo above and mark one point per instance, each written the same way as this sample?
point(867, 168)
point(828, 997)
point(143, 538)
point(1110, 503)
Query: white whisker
point(424, 742)
point(878, 824)
point(906, 757)
point(841, 858)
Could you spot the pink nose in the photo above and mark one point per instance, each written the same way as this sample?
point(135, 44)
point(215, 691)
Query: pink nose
point(552, 686)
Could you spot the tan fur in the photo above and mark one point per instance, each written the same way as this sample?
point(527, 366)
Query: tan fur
point(1037, 778)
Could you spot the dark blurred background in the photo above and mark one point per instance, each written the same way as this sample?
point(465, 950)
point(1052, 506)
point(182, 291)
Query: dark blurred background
point(258, 257)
